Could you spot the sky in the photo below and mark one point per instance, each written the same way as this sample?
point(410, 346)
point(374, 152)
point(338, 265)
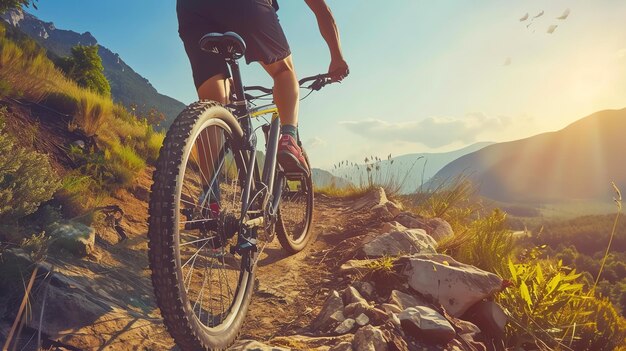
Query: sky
point(426, 76)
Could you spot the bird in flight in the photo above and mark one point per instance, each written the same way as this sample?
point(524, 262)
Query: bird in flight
point(551, 29)
point(524, 18)
point(564, 15)
point(539, 14)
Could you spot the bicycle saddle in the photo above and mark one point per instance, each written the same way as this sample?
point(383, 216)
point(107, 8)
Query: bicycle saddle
point(229, 44)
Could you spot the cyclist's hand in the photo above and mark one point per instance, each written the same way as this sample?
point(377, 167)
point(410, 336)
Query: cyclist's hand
point(338, 70)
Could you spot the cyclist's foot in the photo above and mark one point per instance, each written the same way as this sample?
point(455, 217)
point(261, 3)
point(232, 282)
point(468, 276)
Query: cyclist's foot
point(290, 155)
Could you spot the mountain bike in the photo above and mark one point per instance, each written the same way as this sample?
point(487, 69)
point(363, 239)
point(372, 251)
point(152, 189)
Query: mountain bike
point(216, 202)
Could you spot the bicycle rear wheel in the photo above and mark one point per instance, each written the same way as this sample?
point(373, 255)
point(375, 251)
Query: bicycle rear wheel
point(295, 213)
point(202, 288)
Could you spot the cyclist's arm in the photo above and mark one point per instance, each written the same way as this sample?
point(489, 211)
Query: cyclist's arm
point(330, 33)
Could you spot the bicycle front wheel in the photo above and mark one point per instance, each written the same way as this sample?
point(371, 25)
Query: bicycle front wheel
point(202, 288)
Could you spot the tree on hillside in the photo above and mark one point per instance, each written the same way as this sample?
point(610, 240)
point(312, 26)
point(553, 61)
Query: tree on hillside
point(6, 5)
point(85, 67)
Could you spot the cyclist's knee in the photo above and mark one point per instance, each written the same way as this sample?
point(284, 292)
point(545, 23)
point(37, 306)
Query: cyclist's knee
point(278, 68)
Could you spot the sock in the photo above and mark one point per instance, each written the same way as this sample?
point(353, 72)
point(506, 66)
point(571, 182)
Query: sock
point(289, 130)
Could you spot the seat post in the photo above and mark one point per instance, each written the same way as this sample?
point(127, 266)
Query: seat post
point(241, 106)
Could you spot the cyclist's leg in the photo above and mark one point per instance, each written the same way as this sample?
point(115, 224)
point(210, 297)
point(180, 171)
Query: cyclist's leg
point(286, 89)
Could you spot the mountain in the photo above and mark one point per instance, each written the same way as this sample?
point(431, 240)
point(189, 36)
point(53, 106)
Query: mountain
point(410, 170)
point(576, 163)
point(322, 178)
point(127, 86)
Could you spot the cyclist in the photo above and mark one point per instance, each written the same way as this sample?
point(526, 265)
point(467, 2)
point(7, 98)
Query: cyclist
point(257, 23)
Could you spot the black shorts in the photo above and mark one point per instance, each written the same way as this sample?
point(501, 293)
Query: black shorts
point(254, 20)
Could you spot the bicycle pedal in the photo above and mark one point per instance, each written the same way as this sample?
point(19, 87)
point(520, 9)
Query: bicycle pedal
point(294, 175)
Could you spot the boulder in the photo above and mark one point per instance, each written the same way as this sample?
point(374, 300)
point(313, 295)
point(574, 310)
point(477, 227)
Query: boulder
point(456, 286)
point(333, 304)
point(346, 326)
point(404, 301)
point(426, 324)
point(372, 199)
point(397, 243)
point(369, 338)
point(74, 237)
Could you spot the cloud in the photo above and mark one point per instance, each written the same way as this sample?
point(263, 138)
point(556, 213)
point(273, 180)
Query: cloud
point(314, 142)
point(433, 131)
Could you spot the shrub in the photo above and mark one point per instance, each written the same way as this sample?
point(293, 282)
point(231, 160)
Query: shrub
point(26, 178)
point(548, 306)
point(85, 68)
point(487, 243)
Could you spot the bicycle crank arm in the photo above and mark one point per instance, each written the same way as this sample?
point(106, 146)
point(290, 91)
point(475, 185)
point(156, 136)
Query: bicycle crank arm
point(255, 222)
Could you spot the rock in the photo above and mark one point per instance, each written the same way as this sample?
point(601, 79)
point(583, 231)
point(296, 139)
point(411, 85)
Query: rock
point(425, 323)
point(393, 208)
point(345, 326)
point(337, 317)
point(74, 237)
point(456, 286)
point(362, 319)
point(488, 316)
point(466, 327)
point(440, 229)
point(436, 227)
point(366, 289)
point(392, 226)
point(391, 308)
point(344, 346)
point(351, 295)
point(369, 338)
point(374, 198)
point(397, 243)
point(404, 301)
point(356, 308)
point(332, 304)
point(251, 345)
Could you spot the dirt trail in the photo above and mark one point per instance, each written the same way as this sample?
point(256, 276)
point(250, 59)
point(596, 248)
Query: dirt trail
point(290, 288)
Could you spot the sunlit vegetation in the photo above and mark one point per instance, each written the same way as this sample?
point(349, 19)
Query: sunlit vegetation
point(124, 142)
point(26, 178)
point(118, 143)
point(551, 301)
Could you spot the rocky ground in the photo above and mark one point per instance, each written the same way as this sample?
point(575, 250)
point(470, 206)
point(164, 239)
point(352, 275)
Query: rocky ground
point(372, 280)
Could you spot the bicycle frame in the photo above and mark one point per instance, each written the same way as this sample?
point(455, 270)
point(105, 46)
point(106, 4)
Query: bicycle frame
point(255, 186)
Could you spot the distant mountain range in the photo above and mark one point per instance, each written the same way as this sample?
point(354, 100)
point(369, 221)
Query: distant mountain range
point(578, 162)
point(127, 86)
point(410, 171)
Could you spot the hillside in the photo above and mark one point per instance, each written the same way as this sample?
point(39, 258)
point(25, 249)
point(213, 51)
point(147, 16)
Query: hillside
point(127, 86)
point(411, 170)
point(322, 178)
point(577, 162)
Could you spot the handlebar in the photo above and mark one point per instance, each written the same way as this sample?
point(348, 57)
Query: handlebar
point(319, 81)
